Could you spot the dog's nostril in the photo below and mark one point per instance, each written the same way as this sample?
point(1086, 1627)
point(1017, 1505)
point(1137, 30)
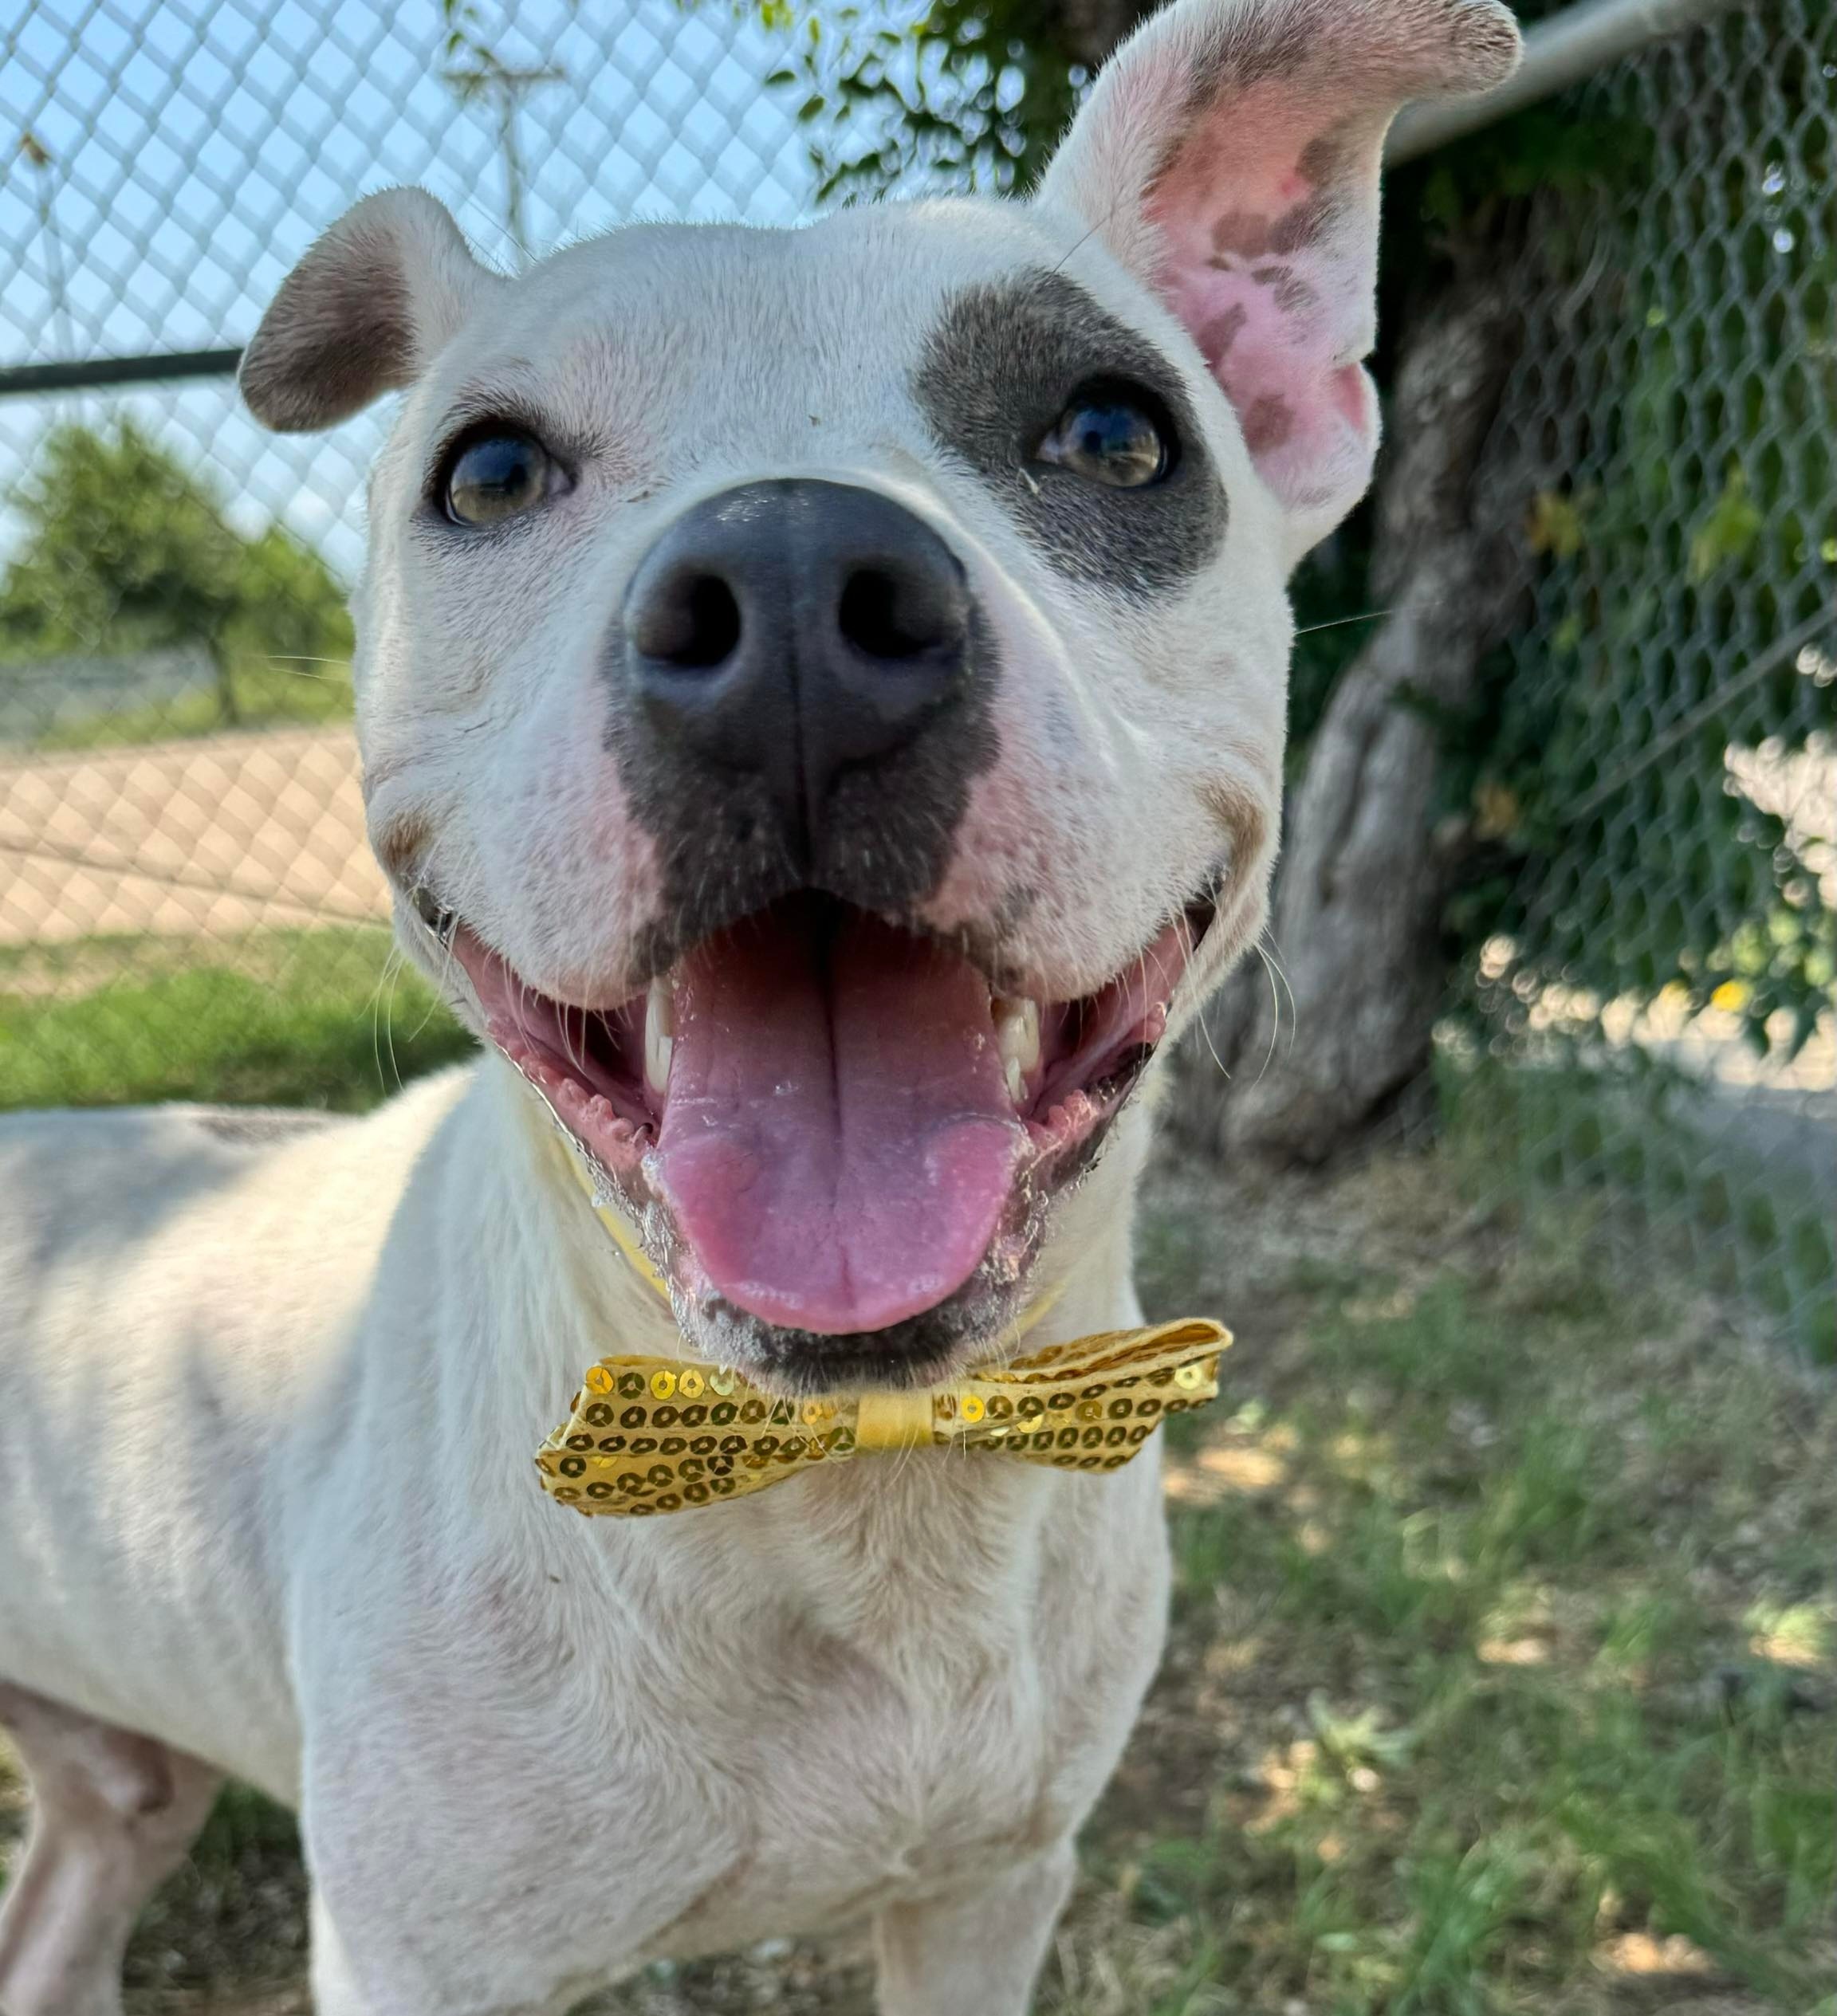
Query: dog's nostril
point(886, 616)
point(694, 623)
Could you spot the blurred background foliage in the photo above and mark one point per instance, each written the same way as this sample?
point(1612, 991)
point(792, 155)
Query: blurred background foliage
point(125, 548)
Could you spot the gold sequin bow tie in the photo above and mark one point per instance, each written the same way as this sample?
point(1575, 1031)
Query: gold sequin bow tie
point(661, 1435)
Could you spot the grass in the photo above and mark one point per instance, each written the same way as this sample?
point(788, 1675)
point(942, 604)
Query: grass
point(1742, 1208)
point(323, 1018)
point(1501, 1678)
point(1503, 1649)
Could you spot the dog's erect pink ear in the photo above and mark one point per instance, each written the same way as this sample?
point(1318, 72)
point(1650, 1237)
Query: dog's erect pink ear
point(1229, 155)
point(372, 301)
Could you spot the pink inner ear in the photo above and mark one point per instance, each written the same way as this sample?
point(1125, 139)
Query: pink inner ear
point(1269, 260)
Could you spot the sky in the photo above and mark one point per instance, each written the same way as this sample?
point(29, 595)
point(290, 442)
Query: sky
point(198, 147)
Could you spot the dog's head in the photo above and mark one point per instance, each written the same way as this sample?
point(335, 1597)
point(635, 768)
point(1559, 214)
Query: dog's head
point(826, 687)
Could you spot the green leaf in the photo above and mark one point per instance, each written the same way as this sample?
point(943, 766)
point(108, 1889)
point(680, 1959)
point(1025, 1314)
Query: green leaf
point(1731, 529)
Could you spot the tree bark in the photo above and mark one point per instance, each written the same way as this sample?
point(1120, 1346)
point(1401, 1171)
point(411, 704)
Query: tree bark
point(1364, 877)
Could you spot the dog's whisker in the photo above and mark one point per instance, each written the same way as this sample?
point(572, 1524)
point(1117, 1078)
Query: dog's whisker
point(382, 1011)
point(567, 1020)
point(395, 972)
point(284, 661)
point(1272, 973)
point(1103, 224)
point(1190, 945)
point(448, 961)
point(1339, 623)
point(1272, 957)
point(374, 1002)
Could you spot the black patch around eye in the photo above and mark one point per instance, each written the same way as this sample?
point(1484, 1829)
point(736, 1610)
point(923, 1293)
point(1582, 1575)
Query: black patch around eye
point(999, 369)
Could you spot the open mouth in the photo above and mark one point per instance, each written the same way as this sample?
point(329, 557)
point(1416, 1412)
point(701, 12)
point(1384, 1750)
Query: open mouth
point(843, 1124)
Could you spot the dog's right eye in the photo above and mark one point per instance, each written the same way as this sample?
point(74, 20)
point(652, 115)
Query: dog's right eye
point(494, 474)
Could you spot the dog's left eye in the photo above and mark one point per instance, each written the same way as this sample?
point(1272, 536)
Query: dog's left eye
point(1111, 435)
point(494, 475)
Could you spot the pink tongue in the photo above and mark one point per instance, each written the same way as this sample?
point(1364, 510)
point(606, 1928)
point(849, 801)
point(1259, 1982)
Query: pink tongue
point(837, 1142)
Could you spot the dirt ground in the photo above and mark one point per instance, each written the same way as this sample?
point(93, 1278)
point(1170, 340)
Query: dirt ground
point(224, 833)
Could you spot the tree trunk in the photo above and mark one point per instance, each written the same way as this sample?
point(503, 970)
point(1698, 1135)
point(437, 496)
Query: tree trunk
point(224, 668)
point(1364, 876)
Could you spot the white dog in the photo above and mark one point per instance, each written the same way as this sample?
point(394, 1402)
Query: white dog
point(821, 698)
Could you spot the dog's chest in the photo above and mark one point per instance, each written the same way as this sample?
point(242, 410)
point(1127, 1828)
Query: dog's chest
point(838, 1777)
point(851, 1731)
point(835, 1771)
point(694, 1736)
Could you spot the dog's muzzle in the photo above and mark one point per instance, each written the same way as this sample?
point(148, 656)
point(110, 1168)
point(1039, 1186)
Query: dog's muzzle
point(805, 680)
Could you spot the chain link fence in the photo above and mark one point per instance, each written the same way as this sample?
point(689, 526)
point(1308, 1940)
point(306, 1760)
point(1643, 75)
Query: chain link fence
point(187, 905)
point(1668, 777)
point(187, 902)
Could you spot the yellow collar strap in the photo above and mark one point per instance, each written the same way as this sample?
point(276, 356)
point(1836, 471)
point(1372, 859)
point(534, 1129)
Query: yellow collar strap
point(649, 1435)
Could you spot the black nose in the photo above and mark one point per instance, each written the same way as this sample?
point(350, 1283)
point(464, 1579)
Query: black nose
point(797, 631)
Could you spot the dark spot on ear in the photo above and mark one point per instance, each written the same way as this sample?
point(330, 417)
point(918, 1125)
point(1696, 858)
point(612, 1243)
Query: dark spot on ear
point(1323, 160)
point(1240, 54)
point(996, 370)
point(1288, 290)
point(1219, 334)
point(1242, 234)
point(1245, 53)
point(1298, 228)
point(1267, 422)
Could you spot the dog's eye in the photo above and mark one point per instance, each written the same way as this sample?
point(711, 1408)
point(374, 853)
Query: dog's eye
point(1115, 434)
point(495, 474)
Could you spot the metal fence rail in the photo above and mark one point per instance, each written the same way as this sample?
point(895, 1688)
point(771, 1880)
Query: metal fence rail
point(181, 862)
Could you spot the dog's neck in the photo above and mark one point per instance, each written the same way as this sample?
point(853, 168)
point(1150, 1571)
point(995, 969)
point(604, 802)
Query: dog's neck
point(563, 1294)
point(872, 1554)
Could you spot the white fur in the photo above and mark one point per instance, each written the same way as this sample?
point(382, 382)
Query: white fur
point(267, 1413)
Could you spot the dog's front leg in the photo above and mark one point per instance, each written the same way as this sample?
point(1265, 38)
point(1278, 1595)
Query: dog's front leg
point(974, 1951)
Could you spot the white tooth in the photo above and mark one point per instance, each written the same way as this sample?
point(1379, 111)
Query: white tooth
point(659, 1035)
point(1017, 1034)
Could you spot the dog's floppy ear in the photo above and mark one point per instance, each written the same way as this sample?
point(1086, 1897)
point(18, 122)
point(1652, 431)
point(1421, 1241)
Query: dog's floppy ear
point(1229, 155)
point(372, 301)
